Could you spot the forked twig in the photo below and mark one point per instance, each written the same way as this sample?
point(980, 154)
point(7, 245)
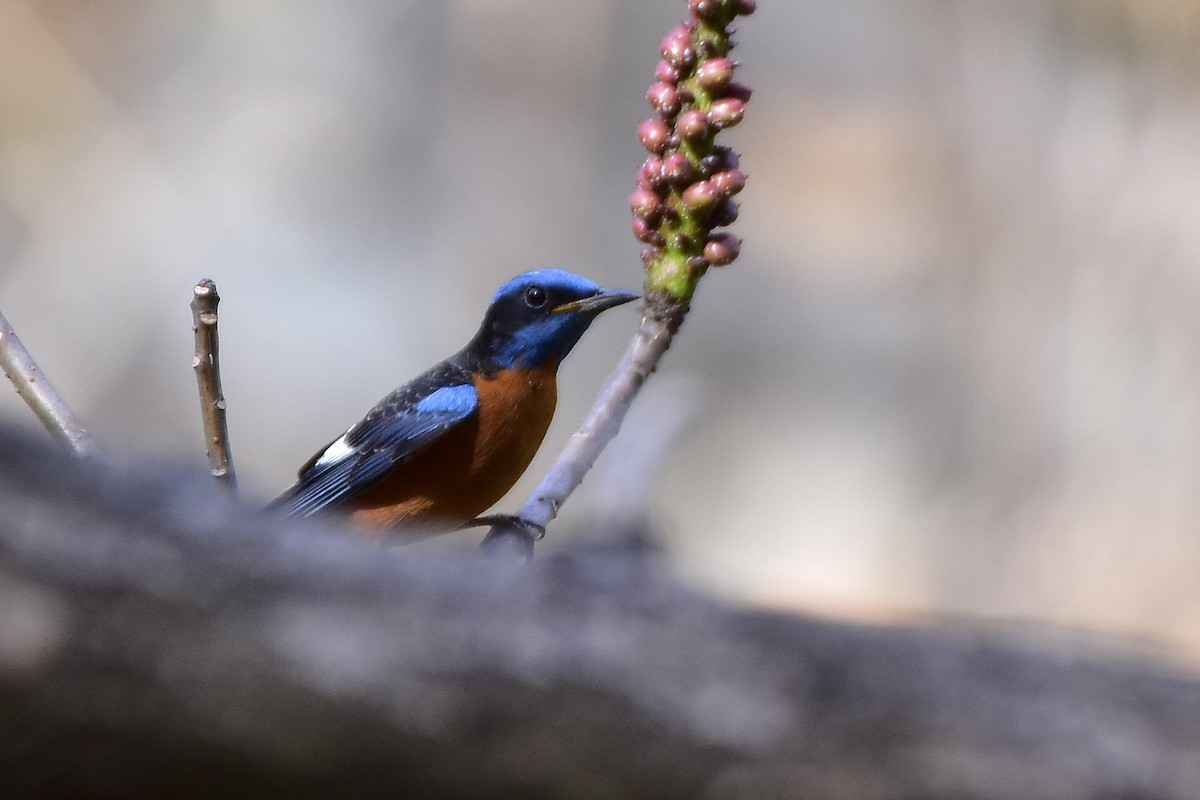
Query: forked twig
point(207, 365)
point(41, 397)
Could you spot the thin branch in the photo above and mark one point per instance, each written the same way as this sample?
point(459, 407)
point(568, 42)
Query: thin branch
point(41, 397)
point(652, 339)
point(207, 364)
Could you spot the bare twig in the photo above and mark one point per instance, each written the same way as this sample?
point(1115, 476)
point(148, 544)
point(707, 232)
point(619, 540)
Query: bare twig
point(652, 339)
point(207, 364)
point(42, 398)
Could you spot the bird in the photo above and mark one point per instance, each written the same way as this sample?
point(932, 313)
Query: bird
point(446, 446)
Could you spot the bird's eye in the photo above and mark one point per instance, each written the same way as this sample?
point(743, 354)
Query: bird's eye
point(535, 296)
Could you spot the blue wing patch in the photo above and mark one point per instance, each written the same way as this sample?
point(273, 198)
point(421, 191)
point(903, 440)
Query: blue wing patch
point(393, 432)
point(457, 401)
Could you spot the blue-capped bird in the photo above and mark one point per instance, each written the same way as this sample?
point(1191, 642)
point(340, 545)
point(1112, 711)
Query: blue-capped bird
point(444, 447)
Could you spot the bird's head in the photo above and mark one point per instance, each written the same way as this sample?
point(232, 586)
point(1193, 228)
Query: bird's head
point(540, 315)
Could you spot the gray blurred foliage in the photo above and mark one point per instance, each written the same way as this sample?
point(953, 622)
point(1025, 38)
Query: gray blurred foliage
point(955, 370)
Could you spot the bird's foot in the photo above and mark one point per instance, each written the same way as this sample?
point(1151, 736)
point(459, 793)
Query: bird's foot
point(509, 534)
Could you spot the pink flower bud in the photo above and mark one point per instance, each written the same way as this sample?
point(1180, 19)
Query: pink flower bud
point(729, 182)
point(649, 175)
point(725, 113)
point(700, 197)
point(663, 98)
point(677, 170)
point(722, 249)
point(666, 73)
point(645, 204)
point(654, 134)
point(692, 125)
point(715, 75)
point(677, 47)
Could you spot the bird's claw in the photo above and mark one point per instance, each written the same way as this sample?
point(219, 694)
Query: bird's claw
point(508, 533)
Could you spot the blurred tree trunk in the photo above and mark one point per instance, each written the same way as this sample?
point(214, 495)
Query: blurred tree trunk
point(156, 640)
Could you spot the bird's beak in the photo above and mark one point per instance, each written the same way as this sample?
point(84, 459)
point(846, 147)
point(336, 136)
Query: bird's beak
point(601, 300)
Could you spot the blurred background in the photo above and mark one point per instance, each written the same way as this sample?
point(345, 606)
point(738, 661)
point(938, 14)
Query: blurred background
point(956, 370)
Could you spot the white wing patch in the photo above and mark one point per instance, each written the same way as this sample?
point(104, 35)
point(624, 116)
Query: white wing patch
point(338, 451)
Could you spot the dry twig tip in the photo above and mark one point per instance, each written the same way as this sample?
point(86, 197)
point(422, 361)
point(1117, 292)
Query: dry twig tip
point(207, 365)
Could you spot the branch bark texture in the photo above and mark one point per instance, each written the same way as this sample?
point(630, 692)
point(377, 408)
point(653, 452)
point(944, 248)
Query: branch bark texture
point(148, 649)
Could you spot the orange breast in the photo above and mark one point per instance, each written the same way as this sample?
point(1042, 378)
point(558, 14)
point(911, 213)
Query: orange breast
point(465, 472)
